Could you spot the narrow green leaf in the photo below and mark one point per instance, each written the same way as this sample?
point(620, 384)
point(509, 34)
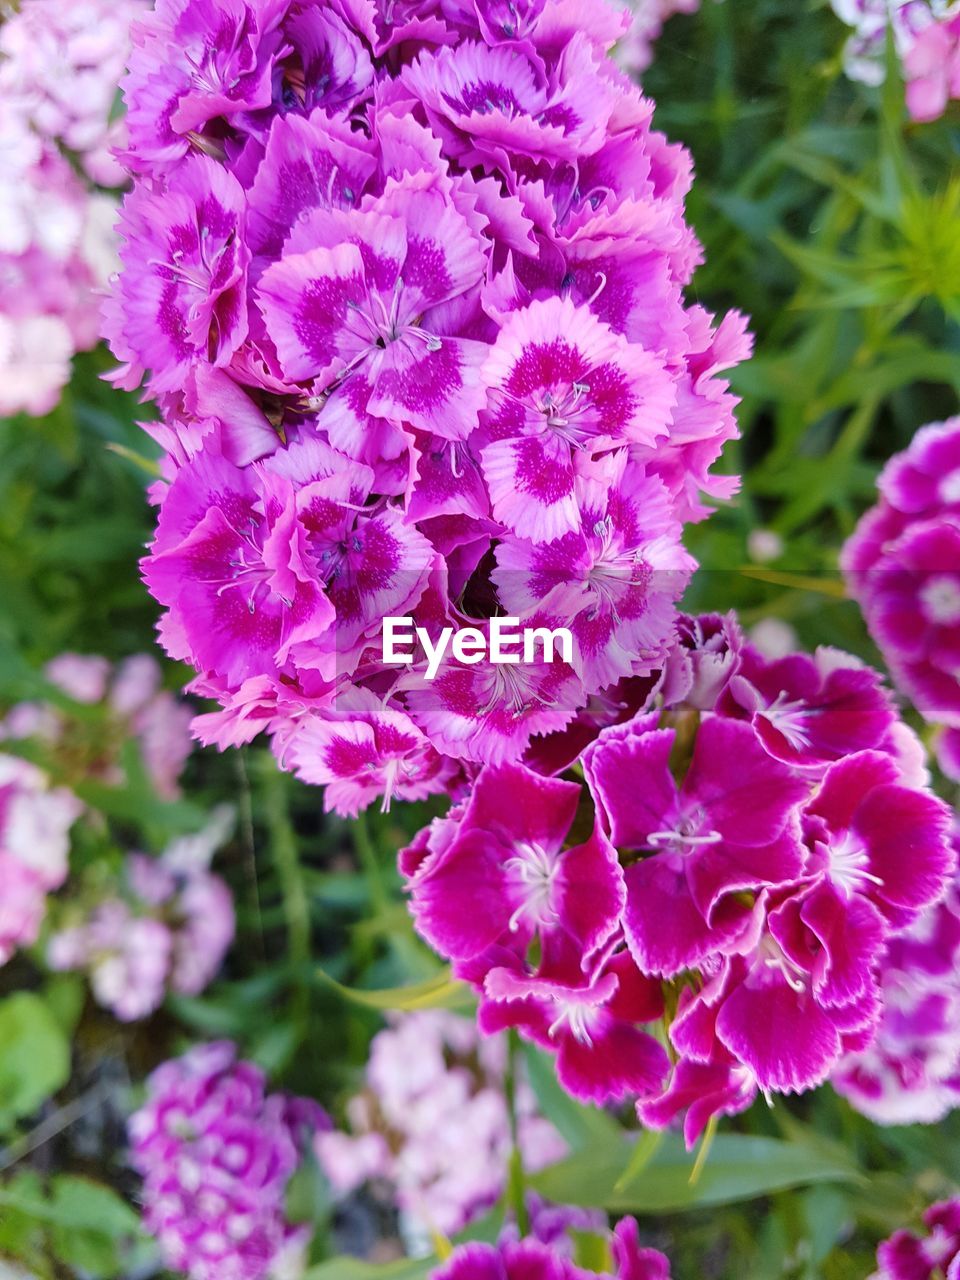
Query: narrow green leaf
point(441, 992)
point(355, 1269)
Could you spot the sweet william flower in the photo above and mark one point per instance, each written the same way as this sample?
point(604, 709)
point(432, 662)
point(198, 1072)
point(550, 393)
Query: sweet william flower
point(216, 1154)
point(531, 1260)
point(902, 565)
point(432, 1125)
point(911, 1256)
point(757, 812)
point(728, 830)
point(507, 866)
point(396, 266)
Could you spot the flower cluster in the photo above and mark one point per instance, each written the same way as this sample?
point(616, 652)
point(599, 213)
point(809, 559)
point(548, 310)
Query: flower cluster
point(747, 836)
point(35, 822)
point(903, 567)
point(907, 1256)
point(531, 1260)
point(910, 1074)
point(216, 1154)
point(59, 69)
point(865, 52)
point(133, 705)
point(432, 1123)
point(635, 50)
point(170, 929)
point(407, 283)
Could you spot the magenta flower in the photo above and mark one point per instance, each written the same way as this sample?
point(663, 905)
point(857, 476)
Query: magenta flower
point(903, 567)
point(364, 750)
point(811, 711)
point(216, 1155)
point(730, 829)
point(182, 297)
point(415, 273)
point(755, 838)
point(531, 1260)
point(593, 1022)
point(507, 867)
point(909, 1256)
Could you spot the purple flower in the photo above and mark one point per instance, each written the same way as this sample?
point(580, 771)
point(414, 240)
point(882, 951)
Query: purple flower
point(903, 567)
point(755, 838)
point(407, 281)
point(216, 1154)
point(170, 929)
point(506, 871)
point(531, 1260)
point(731, 828)
point(909, 1256)
point(182, 296)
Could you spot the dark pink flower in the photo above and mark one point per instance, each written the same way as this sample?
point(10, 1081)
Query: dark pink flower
point(505, 870)
point(731, 828)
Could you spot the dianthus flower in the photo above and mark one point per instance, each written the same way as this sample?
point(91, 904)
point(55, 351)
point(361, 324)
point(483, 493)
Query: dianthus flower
point(911, 1256)
point(865, 51)
point(531, 1260)
point(216, 1154)
point(134, 706)
point(407, 284)
point(60, 66)
point(170, 928)
point(432, 1124)
point(902, 565)
point(740, 841)
point(910, 1074)
point(35, 822)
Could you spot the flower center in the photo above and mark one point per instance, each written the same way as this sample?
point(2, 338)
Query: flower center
point(789, 717)
point(533, 873)
point(577, 1018)
point(686, 836)
point(848, 860)
point(940, 599)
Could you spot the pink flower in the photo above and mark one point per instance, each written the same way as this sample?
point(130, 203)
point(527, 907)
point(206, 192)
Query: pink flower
point(756, 835)
point(909, 1256)
point(531, 1260)
point(433, 1125)
point(216, 1154)
point(35, 822)
point(903, 567)
point(410, 297)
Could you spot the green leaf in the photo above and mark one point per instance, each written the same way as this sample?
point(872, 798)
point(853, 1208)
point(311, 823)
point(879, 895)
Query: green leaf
point(34, 1056)
point(90, 1228)
point(738, 1168)
point(355, 1269)
point(581, 1126)
point(440, 992)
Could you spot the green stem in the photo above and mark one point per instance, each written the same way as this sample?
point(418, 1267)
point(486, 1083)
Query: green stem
point(516, 1181)
point(296, 906)
point(367, 854)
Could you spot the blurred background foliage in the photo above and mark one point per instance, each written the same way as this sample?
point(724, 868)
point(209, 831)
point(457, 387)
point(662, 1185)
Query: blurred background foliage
point(833, 224)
